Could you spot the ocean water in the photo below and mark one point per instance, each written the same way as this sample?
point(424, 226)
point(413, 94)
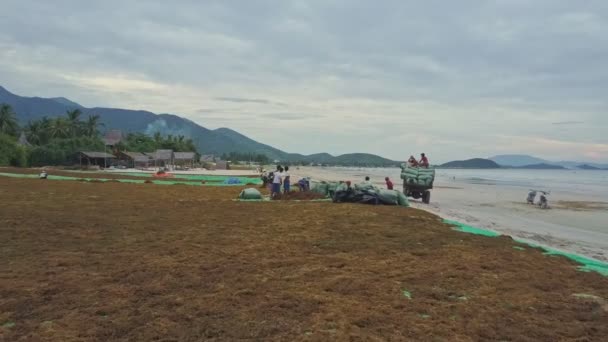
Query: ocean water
point(580, 182)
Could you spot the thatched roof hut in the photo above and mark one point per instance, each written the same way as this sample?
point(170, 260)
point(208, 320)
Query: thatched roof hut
point(95, 158)
point(134, 159)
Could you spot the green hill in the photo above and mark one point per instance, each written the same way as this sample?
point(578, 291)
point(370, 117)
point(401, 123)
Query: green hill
point(542, 166)
point(476, 163)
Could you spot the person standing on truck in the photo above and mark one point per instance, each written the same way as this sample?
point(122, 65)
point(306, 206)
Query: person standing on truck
point(424, 161)
point(389, 184)
point(412, 162)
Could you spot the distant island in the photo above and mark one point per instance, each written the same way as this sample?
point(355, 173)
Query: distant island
point(475, 163)
point(481, 163)
point(591, 167)
point(541, 166)
point(523, 160)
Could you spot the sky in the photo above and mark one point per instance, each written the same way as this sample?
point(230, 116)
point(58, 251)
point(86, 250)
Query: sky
point(454, 79)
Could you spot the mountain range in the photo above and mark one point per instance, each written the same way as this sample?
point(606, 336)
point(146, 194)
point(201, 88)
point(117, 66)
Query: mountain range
point(513, 161)
point(523, 160)
point(208, 141)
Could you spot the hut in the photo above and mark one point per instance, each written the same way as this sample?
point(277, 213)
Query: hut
point(222, 165)
point(134, 159)
point(207, 158)
point(142, 161)
point(161, 158)
point(100, 159)
point(184, 159)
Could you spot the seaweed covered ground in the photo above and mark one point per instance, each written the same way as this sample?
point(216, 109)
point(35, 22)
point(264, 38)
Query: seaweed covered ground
point(86, 261)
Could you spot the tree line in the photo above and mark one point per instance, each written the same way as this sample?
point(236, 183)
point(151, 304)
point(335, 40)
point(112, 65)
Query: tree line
point(237, 157)
point(140, 142)
point(52, 141)
point(57, 141)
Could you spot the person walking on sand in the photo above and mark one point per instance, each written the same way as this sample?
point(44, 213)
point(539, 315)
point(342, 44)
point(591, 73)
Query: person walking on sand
point(424, 161)
point(389, 184)
point(286, 181)
point(276, 182)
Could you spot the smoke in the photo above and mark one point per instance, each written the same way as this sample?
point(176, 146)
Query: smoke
point(160, 125)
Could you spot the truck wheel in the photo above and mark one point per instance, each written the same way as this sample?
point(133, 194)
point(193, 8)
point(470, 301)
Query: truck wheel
point(426, 197)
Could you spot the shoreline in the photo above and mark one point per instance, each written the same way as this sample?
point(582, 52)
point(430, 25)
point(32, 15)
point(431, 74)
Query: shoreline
point(501, 209)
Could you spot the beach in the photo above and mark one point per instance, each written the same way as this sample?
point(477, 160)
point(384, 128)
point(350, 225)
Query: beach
point(495, 199)
point(109, 261)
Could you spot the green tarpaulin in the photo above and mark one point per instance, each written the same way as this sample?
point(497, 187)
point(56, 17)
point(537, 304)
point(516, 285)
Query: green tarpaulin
point(170, 181)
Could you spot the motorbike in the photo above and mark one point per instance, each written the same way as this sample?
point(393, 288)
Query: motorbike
point(531, 197)
point(543, 202)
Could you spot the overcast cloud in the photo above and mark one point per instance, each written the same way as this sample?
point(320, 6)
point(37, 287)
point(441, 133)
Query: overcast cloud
point(454, 79)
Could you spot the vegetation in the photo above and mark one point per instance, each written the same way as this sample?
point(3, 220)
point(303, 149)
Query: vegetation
point(11, 153)
point(8, 120)
point(236, 157)
point(139, 142)
point(57, 141)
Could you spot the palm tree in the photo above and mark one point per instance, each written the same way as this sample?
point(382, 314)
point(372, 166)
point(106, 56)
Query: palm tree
point(158, 138)
point(74, 121)
point(60, 128)
point(8, 121)
point(90, 126)
point(35, 132)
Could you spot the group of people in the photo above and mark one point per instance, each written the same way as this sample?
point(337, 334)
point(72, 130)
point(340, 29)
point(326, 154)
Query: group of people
point(276, 179)
point(423, 162)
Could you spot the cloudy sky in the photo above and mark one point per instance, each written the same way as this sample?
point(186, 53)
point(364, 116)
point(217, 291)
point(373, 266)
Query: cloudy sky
point(455, 79)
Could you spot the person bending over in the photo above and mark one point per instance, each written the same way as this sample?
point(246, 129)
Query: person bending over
point(389, 184)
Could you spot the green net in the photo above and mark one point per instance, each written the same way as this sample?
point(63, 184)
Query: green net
point(206, 178)
point(171, 181)
point(587, 264)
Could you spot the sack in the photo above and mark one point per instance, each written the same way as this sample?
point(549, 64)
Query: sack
point(341, 187)
point(402, 199)
point(389, 197)
point(331, 187)
point(250, 194)
point(365, 186)
point(320, 188)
